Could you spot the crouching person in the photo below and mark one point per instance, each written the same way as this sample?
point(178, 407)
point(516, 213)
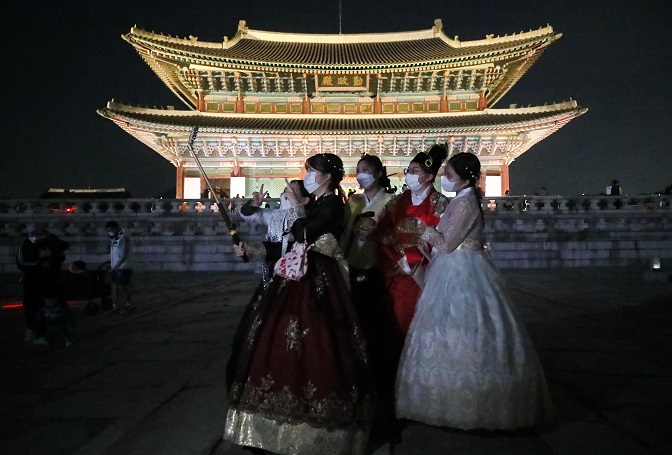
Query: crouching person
point(54, 320)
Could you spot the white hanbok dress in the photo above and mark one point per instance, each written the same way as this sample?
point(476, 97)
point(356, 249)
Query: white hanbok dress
point(468, 361)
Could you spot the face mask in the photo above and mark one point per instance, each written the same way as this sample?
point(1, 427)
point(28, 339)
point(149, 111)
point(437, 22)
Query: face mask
point(413, 182)
point(449, 186)
point(32, 238)
point(365, 180)
point(284, 202)
point(310, 183)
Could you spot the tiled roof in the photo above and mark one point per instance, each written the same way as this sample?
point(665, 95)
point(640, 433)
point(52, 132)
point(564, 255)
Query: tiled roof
point(352, 52)
point(489, 119)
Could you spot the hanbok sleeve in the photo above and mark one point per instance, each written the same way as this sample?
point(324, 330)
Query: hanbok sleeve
point(325, 216)
point(385, 223)
point(253, 214)
point(454, 226)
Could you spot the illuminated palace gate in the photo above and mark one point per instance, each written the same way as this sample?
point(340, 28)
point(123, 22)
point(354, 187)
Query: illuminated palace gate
point(265, 101)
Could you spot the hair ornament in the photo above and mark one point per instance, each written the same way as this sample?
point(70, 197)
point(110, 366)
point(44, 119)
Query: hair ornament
point(328, 158)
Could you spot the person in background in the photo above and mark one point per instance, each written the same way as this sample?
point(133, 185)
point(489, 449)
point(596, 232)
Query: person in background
point(54, 319)
point(120, 251)
point(468, 361)
point(53, 257)
point(614, 189)
point(30, 260)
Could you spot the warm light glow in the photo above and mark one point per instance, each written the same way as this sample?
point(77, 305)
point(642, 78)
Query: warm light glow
point(493, 185)
point(237, 186)
point(192, 187)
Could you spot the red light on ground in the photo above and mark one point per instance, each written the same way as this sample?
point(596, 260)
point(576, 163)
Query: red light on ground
point(10, 306)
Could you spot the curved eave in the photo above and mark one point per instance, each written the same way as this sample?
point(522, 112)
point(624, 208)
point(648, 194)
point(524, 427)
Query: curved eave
point(168, 73)
point(180, 122)
point(255, 51)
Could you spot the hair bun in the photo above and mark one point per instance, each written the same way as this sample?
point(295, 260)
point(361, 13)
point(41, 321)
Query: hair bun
point(438, 152)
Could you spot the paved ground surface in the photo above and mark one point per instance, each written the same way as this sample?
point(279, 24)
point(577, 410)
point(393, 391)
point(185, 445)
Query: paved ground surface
point(152, 382)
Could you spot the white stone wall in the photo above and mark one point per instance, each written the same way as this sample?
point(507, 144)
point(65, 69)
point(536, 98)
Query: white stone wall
point(191, 236)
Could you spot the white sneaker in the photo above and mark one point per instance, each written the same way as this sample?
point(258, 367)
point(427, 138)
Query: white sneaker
point(29, 336)
point(41, 341)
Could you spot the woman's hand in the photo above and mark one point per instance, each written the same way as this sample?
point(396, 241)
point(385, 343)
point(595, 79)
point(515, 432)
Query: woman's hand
point(240, 249)
point(291, 196)
point(425, 248)
point(258, 196)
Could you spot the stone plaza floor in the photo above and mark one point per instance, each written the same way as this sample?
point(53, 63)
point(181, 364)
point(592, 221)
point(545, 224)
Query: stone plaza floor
point(152, 382)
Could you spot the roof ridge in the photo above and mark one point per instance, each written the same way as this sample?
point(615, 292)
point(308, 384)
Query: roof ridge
point(245, 33)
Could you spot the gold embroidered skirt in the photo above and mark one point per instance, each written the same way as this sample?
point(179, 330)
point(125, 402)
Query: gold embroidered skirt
point(255, 430)
point(303, 383)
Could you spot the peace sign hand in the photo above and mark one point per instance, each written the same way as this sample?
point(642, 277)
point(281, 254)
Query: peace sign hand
point(258, 196)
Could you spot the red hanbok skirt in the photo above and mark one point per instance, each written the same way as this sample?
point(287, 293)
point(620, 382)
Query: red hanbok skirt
point(303, 382)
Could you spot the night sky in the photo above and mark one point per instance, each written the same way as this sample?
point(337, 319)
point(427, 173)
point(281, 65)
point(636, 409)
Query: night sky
point(63, 60)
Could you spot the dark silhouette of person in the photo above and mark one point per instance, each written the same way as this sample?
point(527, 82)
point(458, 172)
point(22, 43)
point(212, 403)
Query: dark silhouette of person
point(614, 189)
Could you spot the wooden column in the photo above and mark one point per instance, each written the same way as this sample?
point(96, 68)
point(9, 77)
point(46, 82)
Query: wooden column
point(481, 183)
point(482, 102)
point(444, 103)
point(201, 102)
point(504, 172)
point(305, 106)
point(179, 182)
point(240, 105)
point(377, 105)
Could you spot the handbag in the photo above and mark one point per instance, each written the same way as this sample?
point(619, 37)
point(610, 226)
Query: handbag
point(293, 265)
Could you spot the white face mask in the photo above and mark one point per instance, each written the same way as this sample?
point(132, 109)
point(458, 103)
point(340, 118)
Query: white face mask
point(284, 202)
point(449, 186)
point(310, 183)
point(413, 182)
point(32, 238)
point(365, 180)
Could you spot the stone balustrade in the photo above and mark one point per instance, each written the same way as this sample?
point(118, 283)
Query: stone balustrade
point(516, 204)
point(190, 235)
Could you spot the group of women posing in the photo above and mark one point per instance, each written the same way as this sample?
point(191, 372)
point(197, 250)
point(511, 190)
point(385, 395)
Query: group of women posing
point(420, 328)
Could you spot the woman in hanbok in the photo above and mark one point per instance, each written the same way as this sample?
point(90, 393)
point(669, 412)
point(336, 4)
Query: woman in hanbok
point(278, 222)
point(302, 383)
point(468, 361)
point(400, 225)
point(360, 246)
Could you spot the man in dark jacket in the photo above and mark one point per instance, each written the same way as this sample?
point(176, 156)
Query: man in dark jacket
point(40, 258)
point(53, 256)
point(29, 261)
